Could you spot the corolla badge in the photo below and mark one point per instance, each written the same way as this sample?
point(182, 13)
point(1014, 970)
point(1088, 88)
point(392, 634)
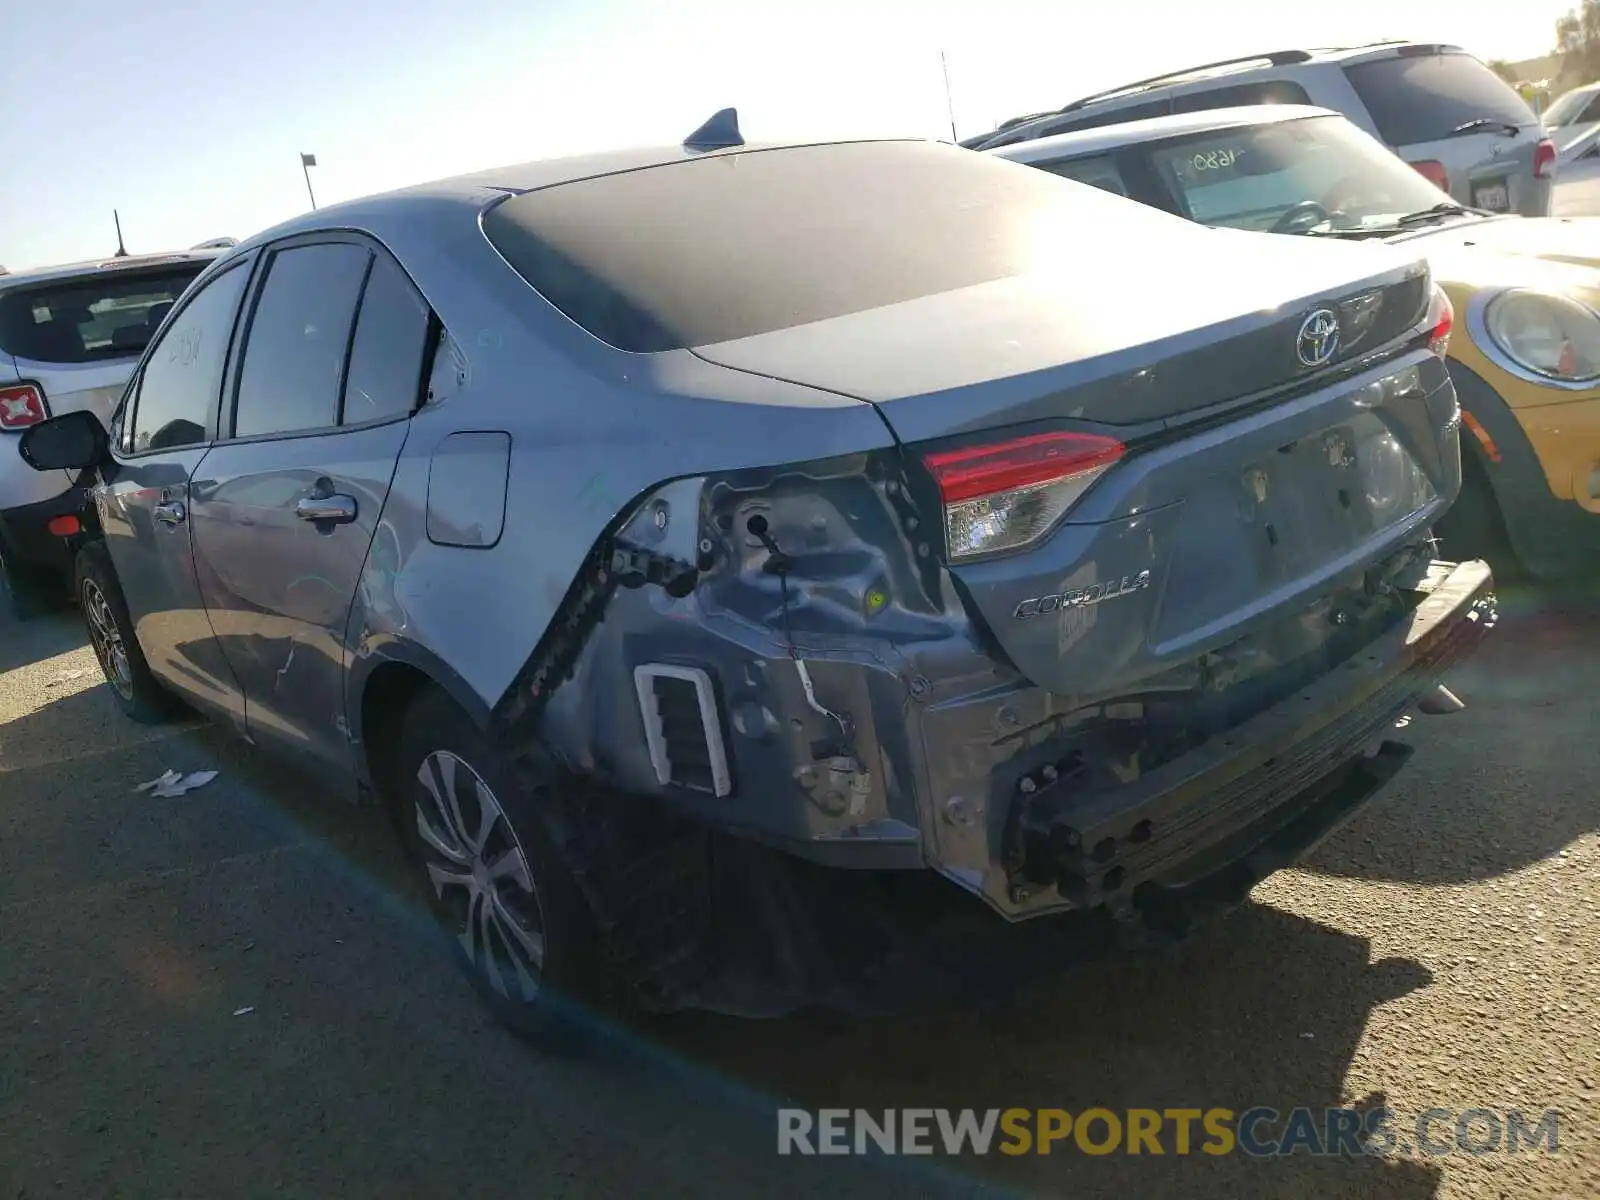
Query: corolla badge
point(1095, 593)
point(1318, 339)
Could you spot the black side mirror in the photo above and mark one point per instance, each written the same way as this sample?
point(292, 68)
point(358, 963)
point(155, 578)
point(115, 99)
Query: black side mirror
point(73, 441)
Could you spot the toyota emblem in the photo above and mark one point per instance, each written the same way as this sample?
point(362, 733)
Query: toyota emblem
point(1318, 339)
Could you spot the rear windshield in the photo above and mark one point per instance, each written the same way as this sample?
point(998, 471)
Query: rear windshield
point(1421, 98)
point(731, 246)
point(89, 318)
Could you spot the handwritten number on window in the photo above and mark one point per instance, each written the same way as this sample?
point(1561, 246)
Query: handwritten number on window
point(1214, 160)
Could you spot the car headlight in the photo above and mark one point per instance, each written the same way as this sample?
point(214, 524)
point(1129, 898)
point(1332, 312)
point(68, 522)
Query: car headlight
point(1550, 335)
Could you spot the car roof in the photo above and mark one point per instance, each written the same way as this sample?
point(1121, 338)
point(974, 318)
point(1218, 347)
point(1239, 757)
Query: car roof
point(474, 189)
point(1376, 50)
point(1152, 129)
point(1221, 73)
point(96, 266)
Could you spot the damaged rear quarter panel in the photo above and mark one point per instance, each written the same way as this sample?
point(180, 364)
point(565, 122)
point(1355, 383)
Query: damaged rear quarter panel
point(590, 433)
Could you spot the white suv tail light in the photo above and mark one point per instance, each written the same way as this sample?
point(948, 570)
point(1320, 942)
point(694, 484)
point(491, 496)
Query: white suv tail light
point(21, 405)
point(1007, 495)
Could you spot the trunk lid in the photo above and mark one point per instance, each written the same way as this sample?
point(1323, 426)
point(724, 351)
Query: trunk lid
point(1202, 540)
point(1254, 484)
point(1100, 340)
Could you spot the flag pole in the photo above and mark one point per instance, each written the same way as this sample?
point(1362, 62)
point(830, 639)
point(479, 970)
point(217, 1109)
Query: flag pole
point(307, 161)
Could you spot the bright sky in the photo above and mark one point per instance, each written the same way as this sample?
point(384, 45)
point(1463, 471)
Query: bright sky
point(188, 116)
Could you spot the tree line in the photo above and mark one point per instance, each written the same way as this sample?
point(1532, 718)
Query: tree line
point(1577, 45)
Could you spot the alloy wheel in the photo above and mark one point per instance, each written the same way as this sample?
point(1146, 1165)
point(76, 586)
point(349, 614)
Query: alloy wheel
point(106, 639)
point(482, 884)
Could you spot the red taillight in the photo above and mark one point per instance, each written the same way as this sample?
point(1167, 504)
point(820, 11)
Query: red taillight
point(21, 405)
point(1004, 495)
point(1441, 320)
point(1433, 171)
point(1544, 158)
point(64, 526)
point(983, 470)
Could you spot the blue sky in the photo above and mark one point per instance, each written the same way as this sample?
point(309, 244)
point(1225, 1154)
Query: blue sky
point(188, 116)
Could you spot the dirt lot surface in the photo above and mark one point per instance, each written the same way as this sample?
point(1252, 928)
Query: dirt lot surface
point(230, 993)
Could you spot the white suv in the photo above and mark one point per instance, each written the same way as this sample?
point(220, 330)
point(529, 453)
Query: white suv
point(1437, 107)
point(69, 338)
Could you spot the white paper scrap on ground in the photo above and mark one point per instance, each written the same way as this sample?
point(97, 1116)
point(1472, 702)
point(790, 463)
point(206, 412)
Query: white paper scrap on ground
point(175, 783)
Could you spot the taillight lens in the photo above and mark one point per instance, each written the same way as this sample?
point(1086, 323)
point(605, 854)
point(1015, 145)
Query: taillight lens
point(1544, 159)
point(21, 405)
point(1441, 320)
point(1007, 495)
point(1433, 171)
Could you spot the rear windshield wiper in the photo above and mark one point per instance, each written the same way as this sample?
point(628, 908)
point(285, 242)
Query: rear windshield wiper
point(1509, 128)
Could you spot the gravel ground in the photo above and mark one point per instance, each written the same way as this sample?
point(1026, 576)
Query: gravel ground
point(1440, 952)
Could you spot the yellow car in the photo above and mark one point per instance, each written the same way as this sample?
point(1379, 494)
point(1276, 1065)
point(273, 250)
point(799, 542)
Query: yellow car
point(1524, 348)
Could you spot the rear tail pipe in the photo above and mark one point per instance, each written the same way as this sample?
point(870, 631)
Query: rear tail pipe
point(1439, 702)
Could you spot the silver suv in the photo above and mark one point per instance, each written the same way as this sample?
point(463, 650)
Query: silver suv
point(69, 338)
point(1437, 107)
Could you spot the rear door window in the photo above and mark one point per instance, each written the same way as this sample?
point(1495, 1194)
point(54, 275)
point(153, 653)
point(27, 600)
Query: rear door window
point(90, 318)
point(1265, 91)
point(391, 343)
point(1425, 97)
point(299, 339)
point(183, 374)
point(1097, 171)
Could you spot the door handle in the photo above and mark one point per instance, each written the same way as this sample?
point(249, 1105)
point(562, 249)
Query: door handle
point(170, 512)
point(337, 509)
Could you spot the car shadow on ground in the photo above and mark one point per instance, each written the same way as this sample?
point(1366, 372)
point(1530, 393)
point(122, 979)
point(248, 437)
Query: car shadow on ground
point(1507, 782)
point(135, 928)
point(38, 638)
point(1267, 1011)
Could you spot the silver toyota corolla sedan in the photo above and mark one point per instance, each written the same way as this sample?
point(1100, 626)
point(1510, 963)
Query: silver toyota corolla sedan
point(746, 572)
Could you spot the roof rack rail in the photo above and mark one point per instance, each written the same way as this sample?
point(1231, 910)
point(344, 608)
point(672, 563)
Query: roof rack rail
point(1276, 58)
point(1013, 122)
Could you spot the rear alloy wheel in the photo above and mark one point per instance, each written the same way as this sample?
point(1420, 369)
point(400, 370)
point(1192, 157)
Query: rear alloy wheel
point(481, 879)
point(111, 636)
point(518, 924)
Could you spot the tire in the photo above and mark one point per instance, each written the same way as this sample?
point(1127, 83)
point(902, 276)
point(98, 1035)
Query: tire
point(526, 938)
point(1473, 527)
point(111, 636)
point(30, 592)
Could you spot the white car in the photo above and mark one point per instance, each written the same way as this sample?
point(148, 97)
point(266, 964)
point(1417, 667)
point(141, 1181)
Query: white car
point(70, 337)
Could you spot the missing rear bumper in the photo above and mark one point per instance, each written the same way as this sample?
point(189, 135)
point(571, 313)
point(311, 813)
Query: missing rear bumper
point(1218, 804)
